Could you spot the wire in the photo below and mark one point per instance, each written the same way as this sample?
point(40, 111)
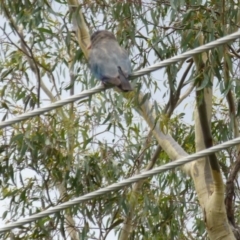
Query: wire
point(38, 111)
point(123, 183)
point(98, 89)
point(187, 54)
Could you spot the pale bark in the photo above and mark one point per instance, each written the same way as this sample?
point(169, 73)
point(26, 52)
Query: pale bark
point(80, 26)
point(210, 192)
point(207, 177)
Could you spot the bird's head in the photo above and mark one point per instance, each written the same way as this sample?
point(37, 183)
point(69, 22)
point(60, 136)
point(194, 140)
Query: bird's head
point(100, 35)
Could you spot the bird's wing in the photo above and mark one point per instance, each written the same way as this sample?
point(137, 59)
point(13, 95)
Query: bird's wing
point(106, 57)
point(123, 61)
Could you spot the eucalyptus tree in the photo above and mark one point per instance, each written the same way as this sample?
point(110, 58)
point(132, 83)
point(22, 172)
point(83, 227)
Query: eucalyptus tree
point(70, 151)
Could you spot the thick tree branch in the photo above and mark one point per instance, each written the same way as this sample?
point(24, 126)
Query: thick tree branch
point(207, 135)
point(206, 173)
point(80, 26)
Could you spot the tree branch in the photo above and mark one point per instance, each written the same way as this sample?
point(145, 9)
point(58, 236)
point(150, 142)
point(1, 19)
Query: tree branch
point(207, 135)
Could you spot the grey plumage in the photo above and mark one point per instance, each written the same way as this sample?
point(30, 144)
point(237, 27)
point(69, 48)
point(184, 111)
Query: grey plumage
point(108, 61)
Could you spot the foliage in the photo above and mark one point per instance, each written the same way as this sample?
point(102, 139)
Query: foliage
point(55, 157)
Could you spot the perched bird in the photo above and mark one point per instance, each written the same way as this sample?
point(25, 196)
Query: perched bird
point(108, 61)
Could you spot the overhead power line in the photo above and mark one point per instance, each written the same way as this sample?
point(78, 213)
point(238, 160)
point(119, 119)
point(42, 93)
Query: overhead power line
point(117, 186)
point(187, 54)
point(98, 89)
point(52, 106)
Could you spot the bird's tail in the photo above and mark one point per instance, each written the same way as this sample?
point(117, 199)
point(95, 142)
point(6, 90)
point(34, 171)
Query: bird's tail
point(125, 84)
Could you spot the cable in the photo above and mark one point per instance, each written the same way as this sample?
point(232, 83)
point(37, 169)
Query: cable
point(187, 54)
point(52, 106)
point(123, 183)
point(98, 89)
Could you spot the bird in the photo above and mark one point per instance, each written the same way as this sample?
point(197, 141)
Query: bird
point(109, 62)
